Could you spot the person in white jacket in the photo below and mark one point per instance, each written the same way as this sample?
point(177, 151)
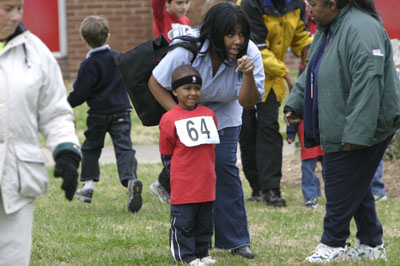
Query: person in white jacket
point(32, 100)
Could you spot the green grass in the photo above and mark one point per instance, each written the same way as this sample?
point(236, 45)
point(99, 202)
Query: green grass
point(106, 233)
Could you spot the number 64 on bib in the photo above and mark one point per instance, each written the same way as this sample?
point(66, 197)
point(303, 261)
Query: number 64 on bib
point(195, 131)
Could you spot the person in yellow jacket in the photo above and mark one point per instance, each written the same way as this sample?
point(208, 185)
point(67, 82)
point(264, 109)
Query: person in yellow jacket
point(277, 25)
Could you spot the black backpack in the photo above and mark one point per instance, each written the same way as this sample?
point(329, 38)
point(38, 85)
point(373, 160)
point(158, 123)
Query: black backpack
point(136, 66)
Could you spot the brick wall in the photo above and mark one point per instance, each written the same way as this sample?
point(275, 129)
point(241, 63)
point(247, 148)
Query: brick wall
point(130, 24)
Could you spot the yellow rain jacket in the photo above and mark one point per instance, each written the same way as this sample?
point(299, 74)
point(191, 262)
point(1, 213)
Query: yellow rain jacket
point(277, 31)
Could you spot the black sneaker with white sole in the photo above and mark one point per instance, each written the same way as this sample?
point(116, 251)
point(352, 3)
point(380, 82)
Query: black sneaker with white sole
point(135, 188)
point(85, 195)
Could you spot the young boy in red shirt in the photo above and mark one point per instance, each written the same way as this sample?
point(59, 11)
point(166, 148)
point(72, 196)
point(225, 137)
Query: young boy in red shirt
point(188, 134)
point(169, 18)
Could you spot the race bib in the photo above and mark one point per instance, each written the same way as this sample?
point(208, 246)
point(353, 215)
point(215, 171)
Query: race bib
point(197, 130)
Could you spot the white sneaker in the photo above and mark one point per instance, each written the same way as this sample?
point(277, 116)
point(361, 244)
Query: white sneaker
point(365, 252)
point(197, 262)
point(324, 253)
point(160, 192)
point(208, 260)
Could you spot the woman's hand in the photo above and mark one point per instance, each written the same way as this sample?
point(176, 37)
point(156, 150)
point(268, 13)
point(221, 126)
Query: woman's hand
point(245, 64)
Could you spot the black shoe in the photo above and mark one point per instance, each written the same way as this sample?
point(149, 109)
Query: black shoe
point(255, 196)
point(85, 195)
point(273, 198)
point(135, 198)
point(244, 251)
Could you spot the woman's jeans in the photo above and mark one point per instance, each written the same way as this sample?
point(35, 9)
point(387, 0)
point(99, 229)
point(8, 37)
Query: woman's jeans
point(230, 219)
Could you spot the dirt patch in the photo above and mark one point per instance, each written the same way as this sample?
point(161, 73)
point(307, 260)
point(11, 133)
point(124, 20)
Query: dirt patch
point(291, 170)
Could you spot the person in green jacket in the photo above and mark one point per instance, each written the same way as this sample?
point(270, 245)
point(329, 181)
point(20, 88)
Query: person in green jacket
point(349, 98)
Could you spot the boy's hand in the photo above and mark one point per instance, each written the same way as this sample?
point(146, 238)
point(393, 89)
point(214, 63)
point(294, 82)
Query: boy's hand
point(291, 118)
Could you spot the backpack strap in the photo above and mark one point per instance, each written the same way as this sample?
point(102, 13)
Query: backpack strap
point(187, 44)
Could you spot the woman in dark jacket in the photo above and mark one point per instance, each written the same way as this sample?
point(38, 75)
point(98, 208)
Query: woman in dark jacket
point(349, 98)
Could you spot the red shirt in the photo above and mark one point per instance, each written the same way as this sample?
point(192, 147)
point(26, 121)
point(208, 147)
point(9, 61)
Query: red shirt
point(166, 24)
point(192, 168)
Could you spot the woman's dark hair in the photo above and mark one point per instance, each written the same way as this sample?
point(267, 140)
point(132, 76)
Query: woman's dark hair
point(368, 6)
point(220, 20)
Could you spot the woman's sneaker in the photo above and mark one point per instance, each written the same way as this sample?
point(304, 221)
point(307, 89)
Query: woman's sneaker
point(365, 252)
point(324, 253)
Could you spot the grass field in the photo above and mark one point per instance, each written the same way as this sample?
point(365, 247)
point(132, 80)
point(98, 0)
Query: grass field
point(105, 233)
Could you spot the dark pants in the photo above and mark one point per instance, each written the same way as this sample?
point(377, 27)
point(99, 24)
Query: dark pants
point(261, 145)
point(348, 194)
point(118, 125)
point(191, 230)
point(164, 180)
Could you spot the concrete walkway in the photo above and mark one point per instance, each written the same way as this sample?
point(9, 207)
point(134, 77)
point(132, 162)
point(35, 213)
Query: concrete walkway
point(151, 154)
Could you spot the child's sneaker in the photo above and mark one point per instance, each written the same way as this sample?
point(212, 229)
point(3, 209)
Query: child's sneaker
point(196, 262)
point(379, 198)
point(312, 203)
point(365, 252)
point(135, 198)
point(85, 195)
point(324, 253)
point(208, 260)
point(160, 192)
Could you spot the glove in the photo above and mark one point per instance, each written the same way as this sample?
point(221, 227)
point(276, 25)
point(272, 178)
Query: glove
point(67, 163)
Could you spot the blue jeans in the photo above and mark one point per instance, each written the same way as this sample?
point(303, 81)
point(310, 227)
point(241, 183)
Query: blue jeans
point(378, 186)
point(118, 125)
point(309, 181)
point(230, 219)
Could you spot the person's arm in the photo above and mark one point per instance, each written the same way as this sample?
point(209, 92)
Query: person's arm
point(85, 81)
point(56, 123)
point(362, 102)
point(290, 81)
point(158, 8)
point(162, 95)
point(291, 131)
point(293, 108)
point(302, 38)
point(249, 94)
point(166, 161)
